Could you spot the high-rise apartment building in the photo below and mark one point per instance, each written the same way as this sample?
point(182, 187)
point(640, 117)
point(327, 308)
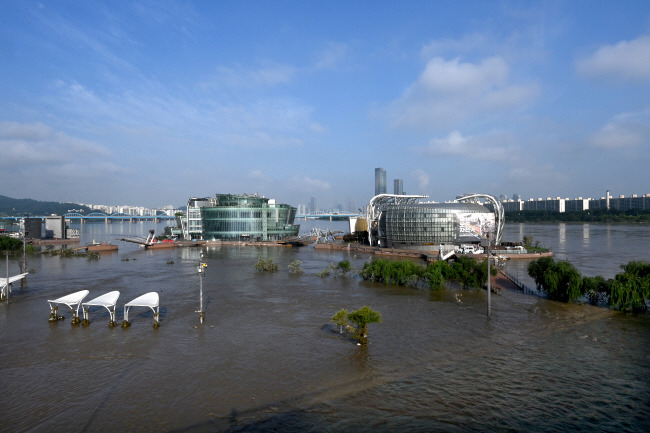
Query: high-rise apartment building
point(398, 187)
point(380, 181)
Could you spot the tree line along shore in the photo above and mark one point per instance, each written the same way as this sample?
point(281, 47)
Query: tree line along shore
point(596, 216)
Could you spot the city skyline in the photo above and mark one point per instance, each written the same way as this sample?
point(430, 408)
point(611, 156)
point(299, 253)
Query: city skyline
point(149, 103)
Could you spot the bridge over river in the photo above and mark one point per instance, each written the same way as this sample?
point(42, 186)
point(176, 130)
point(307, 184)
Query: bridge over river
point(329, 215)
point(100, 216)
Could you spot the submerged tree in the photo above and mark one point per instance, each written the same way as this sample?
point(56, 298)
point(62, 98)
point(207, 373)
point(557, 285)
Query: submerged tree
point(360, 318)
point(630, 289)
point(465, 270)
point(266, 266)
point(397, 272)
point(344, 267)
point(295, 267)
point(340, 318)
point(559, 279)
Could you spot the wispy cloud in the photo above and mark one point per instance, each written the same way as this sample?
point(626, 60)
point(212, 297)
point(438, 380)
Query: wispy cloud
point(238, 76)
point(332, 56)
point(623, 131)
point(306, 183)
point(422, 179)
point(624, 60)
point(37, 143)
point(153, 111)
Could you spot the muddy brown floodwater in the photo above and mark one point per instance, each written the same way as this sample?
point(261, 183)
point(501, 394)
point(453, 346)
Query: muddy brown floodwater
point(266, 358)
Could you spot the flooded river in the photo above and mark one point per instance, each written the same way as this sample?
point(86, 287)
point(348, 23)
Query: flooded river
point(266, 358)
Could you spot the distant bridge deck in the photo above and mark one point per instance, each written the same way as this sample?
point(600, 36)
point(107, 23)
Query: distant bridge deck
point(99, 216)
point(329, 215)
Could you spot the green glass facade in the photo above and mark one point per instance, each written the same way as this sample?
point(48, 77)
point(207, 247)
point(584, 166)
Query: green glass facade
point(247, 218)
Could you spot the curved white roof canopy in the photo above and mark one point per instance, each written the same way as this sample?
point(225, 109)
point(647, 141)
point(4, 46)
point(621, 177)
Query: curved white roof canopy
point(107, 300)
point(72, 300)
point(150, 300)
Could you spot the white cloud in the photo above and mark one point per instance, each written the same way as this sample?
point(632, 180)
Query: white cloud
point(624, 60)
point(422, 179)
point(306, 183)
point(624, 130)
point(32, 143)
point(332, 56)
point(450, 91)
point(498, 147)
point(473, 42)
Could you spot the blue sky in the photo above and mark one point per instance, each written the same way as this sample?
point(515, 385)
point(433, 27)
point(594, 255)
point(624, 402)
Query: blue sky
point(149, 103)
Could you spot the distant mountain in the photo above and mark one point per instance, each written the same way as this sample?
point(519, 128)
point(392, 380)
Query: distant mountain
point(28, 207)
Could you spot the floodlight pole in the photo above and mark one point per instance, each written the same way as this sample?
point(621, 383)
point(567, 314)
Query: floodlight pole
point(24, 267)
point(201, 269)
point(6, 288)
point(489, 304)
point(486, 243)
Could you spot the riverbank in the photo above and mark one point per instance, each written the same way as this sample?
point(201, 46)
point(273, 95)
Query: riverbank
point(414, 254)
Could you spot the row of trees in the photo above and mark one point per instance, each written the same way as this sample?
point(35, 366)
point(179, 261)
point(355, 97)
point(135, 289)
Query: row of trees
point(10, 244)
point(594, 215)
point(465, 270)
point(561, 281)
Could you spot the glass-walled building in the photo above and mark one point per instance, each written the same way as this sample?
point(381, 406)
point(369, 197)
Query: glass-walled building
point(401, 221)
point(435, 223)
point(380, 181)
point(240, 218)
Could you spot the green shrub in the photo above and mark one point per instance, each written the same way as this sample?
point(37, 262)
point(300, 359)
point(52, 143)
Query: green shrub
point(266, 266)
point(397, 272)
point(295, 267)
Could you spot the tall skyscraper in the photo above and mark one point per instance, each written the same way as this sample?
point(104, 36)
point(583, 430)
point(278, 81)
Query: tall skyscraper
point(398, 187)
point(380, 181)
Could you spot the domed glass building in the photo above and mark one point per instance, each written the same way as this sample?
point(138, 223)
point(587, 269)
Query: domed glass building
point(402, 221)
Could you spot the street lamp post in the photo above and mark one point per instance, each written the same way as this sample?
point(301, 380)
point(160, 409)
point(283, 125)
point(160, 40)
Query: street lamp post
point(201, 268)
point(486, 243)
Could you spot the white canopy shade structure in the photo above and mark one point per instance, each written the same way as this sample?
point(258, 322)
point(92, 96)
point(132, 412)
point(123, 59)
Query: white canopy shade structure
point(108, 301)
point(5, 284)
point(73, 301)
point(150, 300)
